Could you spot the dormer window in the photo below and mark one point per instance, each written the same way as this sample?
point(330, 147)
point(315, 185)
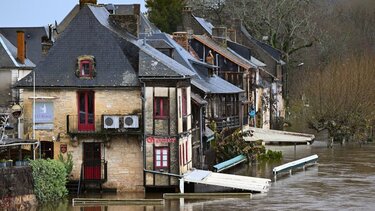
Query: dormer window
point(86, 67)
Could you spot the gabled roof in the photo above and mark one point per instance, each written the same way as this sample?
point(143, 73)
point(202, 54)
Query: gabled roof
point(273, 52)
point(33, 38)
point(207, 41)
point(8, 55)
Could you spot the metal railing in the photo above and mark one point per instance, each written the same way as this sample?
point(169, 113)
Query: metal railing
point(227, 122)
point(97, 125)
point(96, 163)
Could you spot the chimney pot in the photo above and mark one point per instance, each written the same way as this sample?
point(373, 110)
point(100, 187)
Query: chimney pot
point(21, 49)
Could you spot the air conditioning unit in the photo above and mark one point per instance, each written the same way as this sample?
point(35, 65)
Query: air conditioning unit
point(131, 121)
point(111, 122)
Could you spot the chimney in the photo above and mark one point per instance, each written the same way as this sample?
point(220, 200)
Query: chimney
point(83, 2)
point(232, 34)
point(128, 19)
point(219, 35)
point(186, 18)
point(21, 47)
point(47, 41)
point(182, 39)
point(236, 26)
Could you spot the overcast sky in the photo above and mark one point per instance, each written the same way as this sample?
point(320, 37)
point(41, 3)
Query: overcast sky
point(18, 13)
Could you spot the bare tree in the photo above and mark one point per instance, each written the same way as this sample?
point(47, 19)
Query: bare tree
point(340, 98)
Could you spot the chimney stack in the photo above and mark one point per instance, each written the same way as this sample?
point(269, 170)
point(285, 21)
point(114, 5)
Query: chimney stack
point(128, 19)
point(21, 47)
point(219, 35)
point(232, 35)
point(186, 18)
point(83, 2)
point(182, 39)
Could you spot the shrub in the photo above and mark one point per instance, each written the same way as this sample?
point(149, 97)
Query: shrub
point(49, 179)
point(68, 162)
point(271, 155)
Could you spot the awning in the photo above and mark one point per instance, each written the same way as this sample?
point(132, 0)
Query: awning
point(228, 180)
point(267, 135)
point(16, 142)
point(197, 99)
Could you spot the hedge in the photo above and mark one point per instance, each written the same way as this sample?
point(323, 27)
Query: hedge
point(49, 179)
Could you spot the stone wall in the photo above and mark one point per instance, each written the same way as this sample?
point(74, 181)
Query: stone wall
point(16, 188)
point(122, 152)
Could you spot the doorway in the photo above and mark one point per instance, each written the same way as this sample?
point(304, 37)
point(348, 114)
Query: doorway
point(92, 161)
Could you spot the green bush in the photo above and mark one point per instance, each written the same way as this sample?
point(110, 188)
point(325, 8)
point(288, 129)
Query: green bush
point(49, 179)
point(271, 155)
point(68, 162)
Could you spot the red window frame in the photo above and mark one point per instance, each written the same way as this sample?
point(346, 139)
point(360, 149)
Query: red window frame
point(82, 71)
point(161, 163)
point(186, 152)
point(88, 123)
point(161, 107)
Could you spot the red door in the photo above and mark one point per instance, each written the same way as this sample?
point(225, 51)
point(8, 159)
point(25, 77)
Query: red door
point(92, 161)
point(86, 114)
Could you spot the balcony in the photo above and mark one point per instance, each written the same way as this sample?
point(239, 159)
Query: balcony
point(227, 122)
point(100, 125)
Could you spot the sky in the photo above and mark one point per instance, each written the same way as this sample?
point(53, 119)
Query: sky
point(21, 13)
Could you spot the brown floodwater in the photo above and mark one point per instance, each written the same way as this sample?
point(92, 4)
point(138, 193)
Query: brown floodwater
point(343, 179)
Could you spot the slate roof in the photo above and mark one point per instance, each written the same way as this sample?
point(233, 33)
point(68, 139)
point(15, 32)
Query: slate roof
point(159, 43)
point(222, 51)
point(273, 52)
point(200, 79)
point(8, 56)
point(84, 36)
point(119, 55)
point(205, 24)
point(33, 38)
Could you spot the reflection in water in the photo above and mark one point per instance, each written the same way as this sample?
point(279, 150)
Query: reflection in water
point(344, 179)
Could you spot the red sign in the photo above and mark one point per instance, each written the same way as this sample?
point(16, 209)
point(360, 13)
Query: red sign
point(63, 148)
point(160, 140)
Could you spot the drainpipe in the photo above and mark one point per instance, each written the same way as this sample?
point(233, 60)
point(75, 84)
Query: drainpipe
point(143, 145)
point(201, 136)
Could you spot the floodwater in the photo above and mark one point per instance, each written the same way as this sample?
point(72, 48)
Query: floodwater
point(343, 179)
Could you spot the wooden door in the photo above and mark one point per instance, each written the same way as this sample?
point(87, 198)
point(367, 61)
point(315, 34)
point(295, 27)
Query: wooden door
point(92, 161)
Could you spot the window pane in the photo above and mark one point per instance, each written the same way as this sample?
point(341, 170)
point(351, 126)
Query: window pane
point(165, 157)
point(158, 164)
point(157, 151)
point(158, 157)
point(82, 108)
point(90, 106)
point(165, 164)
point(157, 107)
point(165, 107)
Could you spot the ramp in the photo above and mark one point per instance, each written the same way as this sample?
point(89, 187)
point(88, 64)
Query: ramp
point(228, 180)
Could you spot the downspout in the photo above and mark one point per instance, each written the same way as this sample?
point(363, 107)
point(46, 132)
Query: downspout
point(143, 145)
point(201, 135)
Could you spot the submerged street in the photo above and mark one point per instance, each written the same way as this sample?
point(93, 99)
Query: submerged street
point(344, 179)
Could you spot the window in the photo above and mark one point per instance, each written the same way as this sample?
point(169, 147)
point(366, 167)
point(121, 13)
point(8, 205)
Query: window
point(85, 69)
point(161, 157)
point(161, 107)
point(184, 103)
point(86, 120)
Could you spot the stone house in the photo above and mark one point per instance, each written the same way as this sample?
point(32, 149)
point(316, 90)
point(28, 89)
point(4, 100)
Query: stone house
point(118, 105)
point(271, 75)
